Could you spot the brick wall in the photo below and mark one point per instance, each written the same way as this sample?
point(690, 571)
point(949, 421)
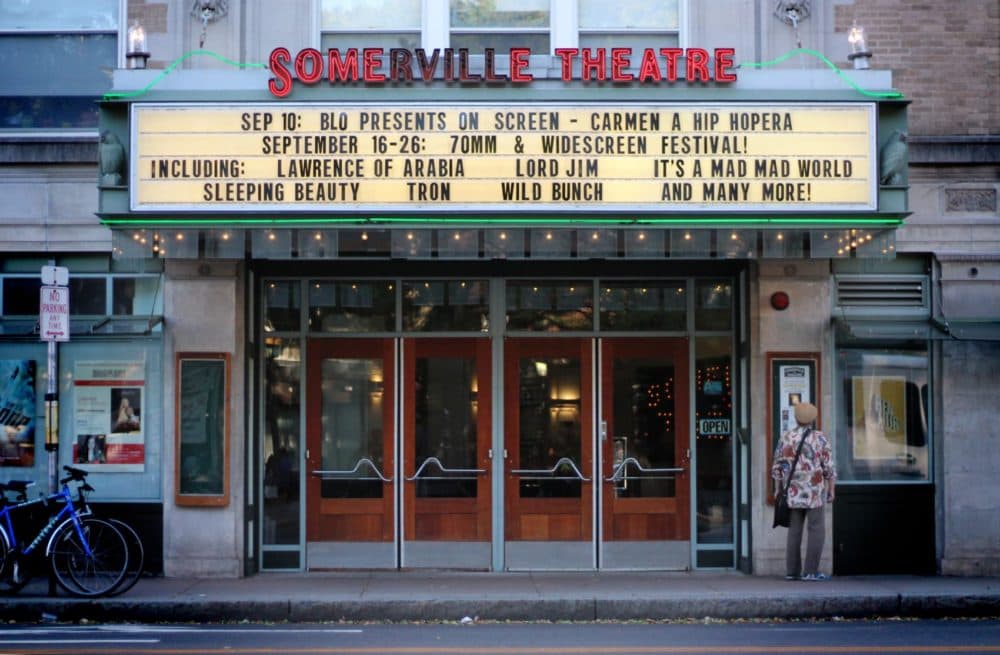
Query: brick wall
point(945, 57)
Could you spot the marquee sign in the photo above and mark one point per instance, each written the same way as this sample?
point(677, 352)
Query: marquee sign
point(663, 158)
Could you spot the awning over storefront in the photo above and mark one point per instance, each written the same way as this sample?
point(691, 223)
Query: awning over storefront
point(26, 326)
point(923, 329)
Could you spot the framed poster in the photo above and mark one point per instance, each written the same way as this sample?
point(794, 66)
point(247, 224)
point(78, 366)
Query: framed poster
point(108, 434)
point(17, 412)
point(202, 423)
point(793, 378)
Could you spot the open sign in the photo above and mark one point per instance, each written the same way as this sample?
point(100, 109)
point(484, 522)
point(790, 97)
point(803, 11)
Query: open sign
point(708, 426)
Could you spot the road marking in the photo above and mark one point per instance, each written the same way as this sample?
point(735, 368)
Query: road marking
point(549, 650)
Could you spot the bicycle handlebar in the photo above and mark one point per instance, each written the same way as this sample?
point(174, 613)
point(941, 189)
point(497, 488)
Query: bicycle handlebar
point(75, 475)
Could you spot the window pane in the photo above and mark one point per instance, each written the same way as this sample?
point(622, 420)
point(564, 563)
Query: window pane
point(136, 296)
point(629, 14)
point(281, 305)
point(549, 426)
point(351, 306)
point(502, 42)
point(87, 296)
point(73, 65)
point(282, 450)
point(639, 306)
point(883, 430)
point(499, 13)
point(59, 15)
point(445, 426)
point(550, 307)
point(714, 401)
point(386, 41)
point(446, 306)
point(20, 296)
point(370, 14)
point(713, 305)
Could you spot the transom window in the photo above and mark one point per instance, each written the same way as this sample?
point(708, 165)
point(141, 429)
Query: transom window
point(55, 55)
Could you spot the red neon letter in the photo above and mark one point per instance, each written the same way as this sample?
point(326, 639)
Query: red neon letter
point(671, 55)
point(518, 62)
point(309, 74)
point(594, 61)
point(567, 54)
point(373, 61)
point(649, 69)
point(620, 59)
point(723, 61)
point(697, 64)
point(281, 84)
point(346, 69)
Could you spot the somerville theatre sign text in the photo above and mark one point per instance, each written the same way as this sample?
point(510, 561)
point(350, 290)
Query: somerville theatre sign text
point(376, 65)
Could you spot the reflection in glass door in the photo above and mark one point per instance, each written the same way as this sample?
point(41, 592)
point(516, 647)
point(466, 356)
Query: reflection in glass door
point(549, 450)
point(645, 454)
point(446, 446)
point(350, 455)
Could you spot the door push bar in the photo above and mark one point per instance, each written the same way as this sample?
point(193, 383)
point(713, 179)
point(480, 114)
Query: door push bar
point(344, 474)
point(549, 474)
point(459, 474)
point(618, 473)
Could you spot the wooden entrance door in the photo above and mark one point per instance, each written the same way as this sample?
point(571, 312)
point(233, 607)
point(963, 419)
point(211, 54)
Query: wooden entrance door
point(645, 453)
point(350, 454)
point(446, 453)
point(549, 449)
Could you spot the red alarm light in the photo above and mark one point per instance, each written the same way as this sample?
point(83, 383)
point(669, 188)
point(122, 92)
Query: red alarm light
point(780, 300)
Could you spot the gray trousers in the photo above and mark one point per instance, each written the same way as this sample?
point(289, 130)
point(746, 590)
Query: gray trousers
point(813, 521)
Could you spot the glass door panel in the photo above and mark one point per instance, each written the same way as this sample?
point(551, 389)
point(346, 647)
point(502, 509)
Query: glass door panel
point(350, 453)
point(549, 448)
point(446, 446)
point(645, 456)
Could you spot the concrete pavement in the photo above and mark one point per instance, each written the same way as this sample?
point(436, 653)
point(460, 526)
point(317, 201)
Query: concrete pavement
point(552, 596)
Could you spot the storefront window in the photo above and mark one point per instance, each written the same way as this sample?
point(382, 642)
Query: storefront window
point(550, 306)
point(282, 447)
point(353, 306)
point(638, 306)
point(446, 306)
point(713, 433)
point(882, 431)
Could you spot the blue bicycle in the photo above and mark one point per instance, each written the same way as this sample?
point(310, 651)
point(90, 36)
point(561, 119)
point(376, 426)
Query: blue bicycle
point(87, 556)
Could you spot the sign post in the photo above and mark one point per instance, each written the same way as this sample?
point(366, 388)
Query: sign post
point(53, 327)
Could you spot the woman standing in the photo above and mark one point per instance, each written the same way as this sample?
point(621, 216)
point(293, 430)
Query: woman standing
point(810, 489)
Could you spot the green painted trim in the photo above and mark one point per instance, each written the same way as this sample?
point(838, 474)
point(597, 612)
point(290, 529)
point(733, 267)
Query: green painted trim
point(533, 221)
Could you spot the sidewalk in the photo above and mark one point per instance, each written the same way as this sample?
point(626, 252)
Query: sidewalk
point(576, 596)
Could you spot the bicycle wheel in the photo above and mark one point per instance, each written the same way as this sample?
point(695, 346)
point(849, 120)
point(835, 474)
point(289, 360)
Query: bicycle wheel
point(90, 561)
point(136, 558)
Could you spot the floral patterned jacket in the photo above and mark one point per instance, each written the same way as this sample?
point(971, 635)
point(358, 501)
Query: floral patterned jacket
point(815, 473)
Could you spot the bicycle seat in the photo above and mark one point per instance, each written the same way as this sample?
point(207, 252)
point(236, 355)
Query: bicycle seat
point(17, 486)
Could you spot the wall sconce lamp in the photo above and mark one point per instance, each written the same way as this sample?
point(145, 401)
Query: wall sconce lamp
point(136, 55)
point(860, 54)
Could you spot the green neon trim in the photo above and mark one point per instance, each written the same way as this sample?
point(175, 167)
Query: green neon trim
point(502, 221)
point(831, 65)
point(177, 62)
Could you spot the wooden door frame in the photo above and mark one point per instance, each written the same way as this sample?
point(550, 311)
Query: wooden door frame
point(681, 503)
point(514, 349)
point(318, 349)
point(481, 351)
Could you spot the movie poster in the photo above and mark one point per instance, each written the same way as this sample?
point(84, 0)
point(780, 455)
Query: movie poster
point(878, 416)
point(794, 387)
point(17, 412)
point(108, 423)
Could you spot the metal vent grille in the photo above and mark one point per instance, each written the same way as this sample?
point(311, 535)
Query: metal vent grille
point(887, 292)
